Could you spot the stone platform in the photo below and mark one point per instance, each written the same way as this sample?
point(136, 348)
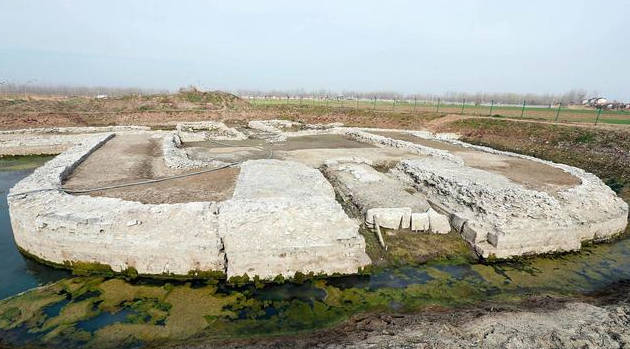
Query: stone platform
point(277, 207)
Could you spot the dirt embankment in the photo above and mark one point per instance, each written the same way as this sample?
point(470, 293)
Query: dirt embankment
point(31, 112)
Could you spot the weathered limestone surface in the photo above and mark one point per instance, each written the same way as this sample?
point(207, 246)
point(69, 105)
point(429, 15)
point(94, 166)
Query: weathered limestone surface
point(52, 140)
point(502, 218)
point(205, 130)
point(280, 130)
point(362, 136)
point(176, 157)
point(283, 218)
point(153, 239)
point(378, 196)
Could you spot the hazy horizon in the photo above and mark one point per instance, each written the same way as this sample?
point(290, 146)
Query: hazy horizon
point(406, 47)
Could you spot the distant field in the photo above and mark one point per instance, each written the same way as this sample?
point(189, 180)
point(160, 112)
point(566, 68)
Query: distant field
point(564, 114)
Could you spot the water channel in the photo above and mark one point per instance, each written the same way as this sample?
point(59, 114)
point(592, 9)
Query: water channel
point(62, 310)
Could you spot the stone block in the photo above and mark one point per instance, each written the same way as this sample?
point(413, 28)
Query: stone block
point(391, 218)
point(420, 221)
point(438, 223)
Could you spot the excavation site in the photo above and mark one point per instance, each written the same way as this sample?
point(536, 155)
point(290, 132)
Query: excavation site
point(278, 198)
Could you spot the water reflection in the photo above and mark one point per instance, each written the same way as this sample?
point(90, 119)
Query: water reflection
point(18, 274)
point(100, 312)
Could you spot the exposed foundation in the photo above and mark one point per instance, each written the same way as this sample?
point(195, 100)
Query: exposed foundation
point(261, 200)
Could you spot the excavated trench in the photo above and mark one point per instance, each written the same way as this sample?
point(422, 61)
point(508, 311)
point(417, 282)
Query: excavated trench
point(131, 158)
point(272, 194)
point(315, 303)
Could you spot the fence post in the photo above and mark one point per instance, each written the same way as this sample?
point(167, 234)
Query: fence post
point(437, 110)
point(415, 102)
point(491, 106)
point(523, 109)
point(374, 104)
point(463, 104)
point(558, 111)
point(599, 112)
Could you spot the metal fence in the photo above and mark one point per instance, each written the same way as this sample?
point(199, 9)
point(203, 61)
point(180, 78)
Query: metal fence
point(557, 113)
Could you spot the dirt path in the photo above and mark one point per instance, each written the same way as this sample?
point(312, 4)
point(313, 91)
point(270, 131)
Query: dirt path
point(130, 158)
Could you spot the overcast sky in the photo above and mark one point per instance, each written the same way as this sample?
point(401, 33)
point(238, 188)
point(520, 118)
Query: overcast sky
point(405, 46)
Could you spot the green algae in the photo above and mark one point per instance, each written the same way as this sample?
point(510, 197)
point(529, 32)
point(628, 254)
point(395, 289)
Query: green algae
point(79, 268)
point(22, 162)
point(164, 312)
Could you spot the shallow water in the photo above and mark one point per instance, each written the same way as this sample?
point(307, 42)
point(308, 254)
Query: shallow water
point(99, 312)
point(17, 273)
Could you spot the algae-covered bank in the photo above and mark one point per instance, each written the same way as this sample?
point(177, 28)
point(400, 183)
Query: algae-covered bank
point(103, 312)
point(98, 312)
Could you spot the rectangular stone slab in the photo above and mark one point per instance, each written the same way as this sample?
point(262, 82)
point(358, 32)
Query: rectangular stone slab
point(284, 219)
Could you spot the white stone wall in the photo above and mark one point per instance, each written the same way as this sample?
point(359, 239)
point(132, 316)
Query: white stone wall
point(371, 138)
point(502, 218)
point(204, 130)
point(52, 140)
point(154, 239)
point(283, 219)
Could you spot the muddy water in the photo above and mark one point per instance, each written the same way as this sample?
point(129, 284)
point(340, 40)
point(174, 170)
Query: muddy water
point(101, 312)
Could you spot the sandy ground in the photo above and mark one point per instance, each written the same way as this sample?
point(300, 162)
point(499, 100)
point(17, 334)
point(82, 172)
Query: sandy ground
point(530, 174)
point(129, 158)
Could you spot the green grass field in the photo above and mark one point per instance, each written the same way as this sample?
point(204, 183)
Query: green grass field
point(532, 113)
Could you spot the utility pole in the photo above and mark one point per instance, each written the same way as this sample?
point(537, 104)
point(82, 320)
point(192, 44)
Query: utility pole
point(599, 112)
point(558, 111)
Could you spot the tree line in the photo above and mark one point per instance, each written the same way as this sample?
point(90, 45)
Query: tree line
point(7, 88)
point(574, 96)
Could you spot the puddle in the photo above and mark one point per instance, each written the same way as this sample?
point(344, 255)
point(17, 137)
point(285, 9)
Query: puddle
point(104, 319)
